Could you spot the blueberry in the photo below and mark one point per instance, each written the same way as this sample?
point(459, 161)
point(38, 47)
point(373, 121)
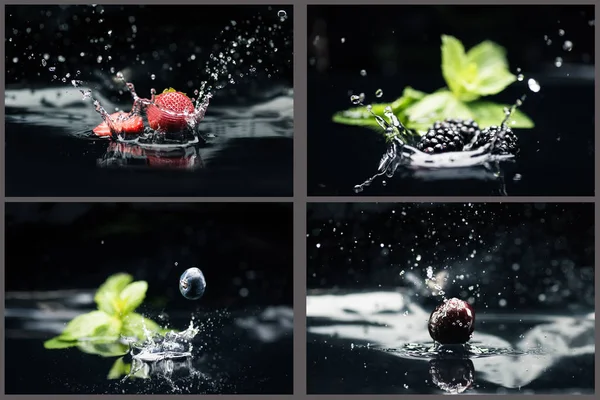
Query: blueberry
point(192, 284)
point(452, 322)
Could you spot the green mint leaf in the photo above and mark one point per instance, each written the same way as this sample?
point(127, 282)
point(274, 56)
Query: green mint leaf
point(487, 114)
point(58, 343)
point(436, 106)
point(107, 296)
point(493, 74)
point(85, 326)
point(359, 116)
point(132, 297)
point(459, 73)
point(137, 326)
point(119, 369)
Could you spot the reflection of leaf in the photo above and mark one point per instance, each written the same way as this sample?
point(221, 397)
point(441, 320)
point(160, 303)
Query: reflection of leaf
point(57, 343)
point(132, 296)
point(108, 348)
point(107, 296)
point(119, 369)
point(487, 114)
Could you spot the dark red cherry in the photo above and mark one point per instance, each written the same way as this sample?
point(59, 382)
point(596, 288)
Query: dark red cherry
point(452, 322)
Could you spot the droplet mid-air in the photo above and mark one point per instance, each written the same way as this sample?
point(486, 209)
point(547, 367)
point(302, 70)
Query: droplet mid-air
point(192, 284)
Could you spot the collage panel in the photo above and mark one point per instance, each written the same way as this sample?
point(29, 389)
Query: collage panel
point(451, 100)
point(146, 100)
point(148, 298)
point(450, 298)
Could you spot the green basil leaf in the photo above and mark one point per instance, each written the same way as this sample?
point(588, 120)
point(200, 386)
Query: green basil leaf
point(107, 296)
point(132, 296)
point(487, 113)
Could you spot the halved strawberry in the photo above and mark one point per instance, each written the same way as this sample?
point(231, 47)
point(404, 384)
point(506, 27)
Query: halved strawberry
point(123, 122)
point(169, 111)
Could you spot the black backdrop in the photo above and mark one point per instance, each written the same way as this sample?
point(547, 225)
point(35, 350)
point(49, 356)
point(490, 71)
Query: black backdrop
point(406, 39)
point(514, 251)
point(244, 250)
point(164, 35)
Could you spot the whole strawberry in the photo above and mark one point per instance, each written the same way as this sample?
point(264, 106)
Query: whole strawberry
point(170, 111)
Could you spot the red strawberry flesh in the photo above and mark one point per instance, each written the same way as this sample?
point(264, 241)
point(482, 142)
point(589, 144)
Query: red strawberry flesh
point(124, 123)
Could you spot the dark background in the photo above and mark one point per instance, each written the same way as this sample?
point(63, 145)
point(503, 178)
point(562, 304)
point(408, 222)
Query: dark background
point(399, 46)
point(165, 36)
point(519, 250)
point(52, 246)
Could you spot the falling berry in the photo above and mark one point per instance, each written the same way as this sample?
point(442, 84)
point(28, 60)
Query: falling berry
point(452, 322)
point(192, 284)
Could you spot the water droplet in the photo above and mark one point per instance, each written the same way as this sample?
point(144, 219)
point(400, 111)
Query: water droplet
point(378, 93)
point(558, 62)
point(517, 178)
point(282, 15)
point(363, 72)
point(343, 40)
point(44, 63)
point(520, 77)
point(61, 59)
point(355, 99)
point(153, 77)
point(99, 59)
point(52, 69)
point(561, 32)
point(534, 86)
point(567, 45)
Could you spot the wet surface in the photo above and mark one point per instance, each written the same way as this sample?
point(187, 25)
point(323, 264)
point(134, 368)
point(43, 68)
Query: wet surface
point(242, 352)
point(367, 351)
point(54, 154)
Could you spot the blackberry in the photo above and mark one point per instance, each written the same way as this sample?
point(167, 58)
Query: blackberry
point(448, 135)
point(506, 143)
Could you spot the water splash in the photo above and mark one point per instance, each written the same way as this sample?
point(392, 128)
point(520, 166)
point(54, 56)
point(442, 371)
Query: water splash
point(158, 348)
point(402, 152)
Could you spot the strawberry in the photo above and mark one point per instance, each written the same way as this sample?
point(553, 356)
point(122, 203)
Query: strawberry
point(169, 110)
point(123, 122)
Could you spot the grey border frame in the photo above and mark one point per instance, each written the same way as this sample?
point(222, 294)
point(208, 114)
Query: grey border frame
point(300, 187)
